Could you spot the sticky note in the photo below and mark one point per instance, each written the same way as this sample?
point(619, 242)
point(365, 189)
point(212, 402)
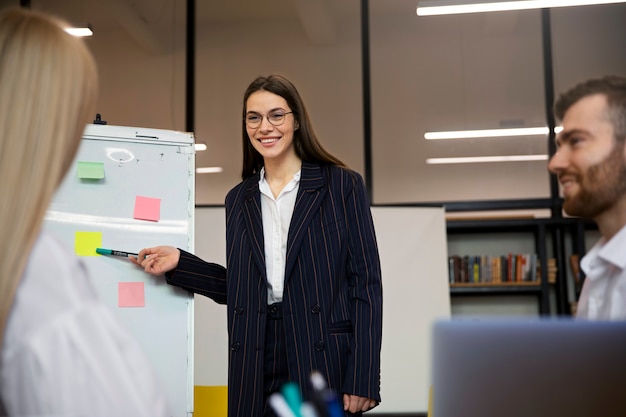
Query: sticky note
point(147, 208)
point(85, 243)
point(90, 170)
point(130, 294)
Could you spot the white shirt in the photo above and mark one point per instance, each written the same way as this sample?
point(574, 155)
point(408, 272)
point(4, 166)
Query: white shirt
point(65, 354)
point(276, 214)
point(603, 296)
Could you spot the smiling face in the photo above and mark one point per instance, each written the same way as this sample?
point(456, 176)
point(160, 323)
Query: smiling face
point(590, 163)
point(274, 143)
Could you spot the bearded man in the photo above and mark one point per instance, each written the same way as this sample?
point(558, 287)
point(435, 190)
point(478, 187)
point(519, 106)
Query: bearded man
point(590, 163)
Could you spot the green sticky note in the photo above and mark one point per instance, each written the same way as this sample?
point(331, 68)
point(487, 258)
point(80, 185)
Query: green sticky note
point(85, 243)
point(90, 170)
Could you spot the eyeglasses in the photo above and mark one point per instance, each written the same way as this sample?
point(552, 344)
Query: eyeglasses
point(276, 118)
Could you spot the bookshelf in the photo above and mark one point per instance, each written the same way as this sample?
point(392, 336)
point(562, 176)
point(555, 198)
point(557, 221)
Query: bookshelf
point(536, 229)
point(556, 287)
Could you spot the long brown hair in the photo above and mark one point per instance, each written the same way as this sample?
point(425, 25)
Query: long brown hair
point(48, 85)
point(307, 146)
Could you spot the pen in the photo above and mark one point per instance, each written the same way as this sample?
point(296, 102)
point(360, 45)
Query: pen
point(291, 394)
point(307, 410)
point(113, 252)
point(326, 399)
point(280, 406)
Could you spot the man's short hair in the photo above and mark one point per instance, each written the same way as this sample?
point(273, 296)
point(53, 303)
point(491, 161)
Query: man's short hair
point(612, 87)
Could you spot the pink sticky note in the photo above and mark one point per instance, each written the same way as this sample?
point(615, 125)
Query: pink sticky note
point(147, 208)
point(130, 294)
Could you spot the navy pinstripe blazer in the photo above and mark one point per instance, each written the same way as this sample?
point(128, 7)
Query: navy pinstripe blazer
point(332, 300)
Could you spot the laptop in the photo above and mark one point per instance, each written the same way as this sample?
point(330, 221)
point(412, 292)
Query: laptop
point(528, 368)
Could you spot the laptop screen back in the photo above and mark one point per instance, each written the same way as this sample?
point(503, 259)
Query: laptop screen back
point(529, 368)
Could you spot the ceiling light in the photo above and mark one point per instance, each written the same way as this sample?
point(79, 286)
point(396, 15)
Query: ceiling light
point(439, 7)
point(200, 146)
point(80, 31)
point(209, 170)
point(480, 159)
point(490, 133)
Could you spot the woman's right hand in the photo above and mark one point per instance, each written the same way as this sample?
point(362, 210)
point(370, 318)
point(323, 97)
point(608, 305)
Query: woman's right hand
point(157, 260)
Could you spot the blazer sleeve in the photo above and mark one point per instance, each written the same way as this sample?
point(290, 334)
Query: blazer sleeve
point(199, 277)
point(364, 274)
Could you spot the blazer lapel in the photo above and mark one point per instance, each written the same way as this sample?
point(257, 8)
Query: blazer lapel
point(310, 195)
point(254, 222)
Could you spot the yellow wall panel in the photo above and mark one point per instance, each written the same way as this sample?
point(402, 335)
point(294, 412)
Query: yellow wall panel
point(210, 401)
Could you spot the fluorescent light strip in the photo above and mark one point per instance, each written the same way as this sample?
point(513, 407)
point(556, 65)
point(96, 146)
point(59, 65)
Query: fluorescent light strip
point(480, 159)
point(80, 31)
point(200, 146)
point(487, 133)
point(209, 170)
point(490, 133)
point(431, 9)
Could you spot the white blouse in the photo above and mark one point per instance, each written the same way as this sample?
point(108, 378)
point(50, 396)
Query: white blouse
point(276, 214)
point(65, 354)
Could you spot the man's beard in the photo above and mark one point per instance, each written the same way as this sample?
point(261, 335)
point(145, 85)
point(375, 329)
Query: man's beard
point(600, 187)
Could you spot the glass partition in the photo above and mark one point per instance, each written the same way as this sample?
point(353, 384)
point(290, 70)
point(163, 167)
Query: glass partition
point(452, 73)
point(588, 42)
point(317, 45)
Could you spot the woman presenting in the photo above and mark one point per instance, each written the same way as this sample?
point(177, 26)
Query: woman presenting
point(303, 282)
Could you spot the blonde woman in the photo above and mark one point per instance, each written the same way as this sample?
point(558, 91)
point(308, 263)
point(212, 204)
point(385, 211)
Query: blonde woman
point(63, 353)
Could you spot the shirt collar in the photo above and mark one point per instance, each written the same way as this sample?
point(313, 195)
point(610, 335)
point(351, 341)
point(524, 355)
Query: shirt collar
point(296, 176)
point(613, 250)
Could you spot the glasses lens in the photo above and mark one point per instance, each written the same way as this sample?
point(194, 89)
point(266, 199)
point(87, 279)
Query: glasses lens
point(276, 118)
point(253, 120)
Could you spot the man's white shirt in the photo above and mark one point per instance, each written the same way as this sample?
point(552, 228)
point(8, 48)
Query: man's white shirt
point(603, 296)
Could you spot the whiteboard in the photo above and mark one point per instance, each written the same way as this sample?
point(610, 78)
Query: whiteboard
point(416, 293)
point(413, 254)
point(158, 167)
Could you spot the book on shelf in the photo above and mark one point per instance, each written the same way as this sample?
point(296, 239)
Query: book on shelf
point(464, 275)
point(551, 269)
point(492, 270)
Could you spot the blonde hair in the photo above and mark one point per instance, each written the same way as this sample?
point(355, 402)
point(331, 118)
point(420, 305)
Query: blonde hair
point(48, 87)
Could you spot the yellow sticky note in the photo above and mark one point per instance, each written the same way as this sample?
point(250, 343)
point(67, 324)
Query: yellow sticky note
point(85, 243)
point(90, 170)
point(130, 294)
